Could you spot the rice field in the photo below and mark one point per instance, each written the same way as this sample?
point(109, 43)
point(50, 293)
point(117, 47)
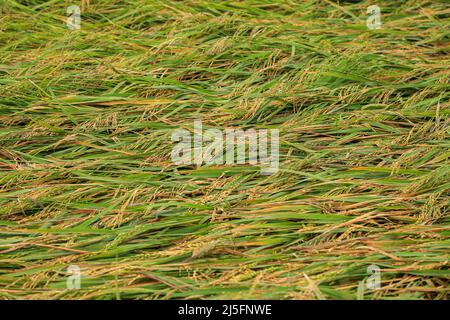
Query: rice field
point(88, 188)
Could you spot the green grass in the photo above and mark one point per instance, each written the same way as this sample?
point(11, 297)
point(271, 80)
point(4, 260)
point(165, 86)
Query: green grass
point(85, 171)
